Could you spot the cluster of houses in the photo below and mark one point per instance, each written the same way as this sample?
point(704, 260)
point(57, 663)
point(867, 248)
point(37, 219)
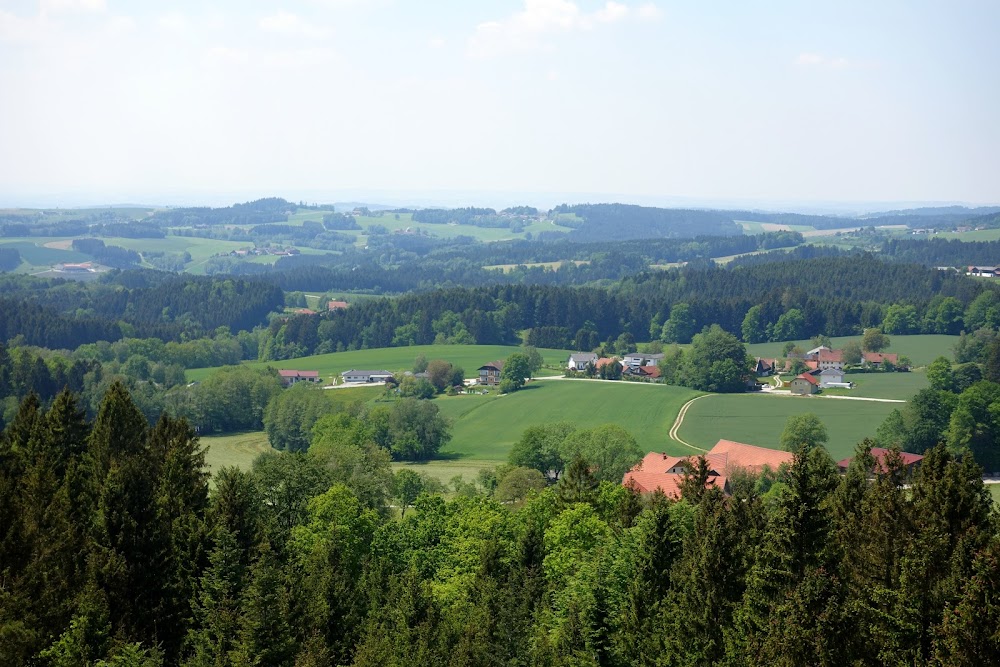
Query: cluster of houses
point(633, 364)
point(663, 473)
point(824, 368)
point(261, 252)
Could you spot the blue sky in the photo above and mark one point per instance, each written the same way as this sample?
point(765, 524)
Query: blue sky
point(530, 100)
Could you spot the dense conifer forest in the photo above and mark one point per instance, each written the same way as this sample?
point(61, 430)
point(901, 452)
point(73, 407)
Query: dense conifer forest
point(115, 551)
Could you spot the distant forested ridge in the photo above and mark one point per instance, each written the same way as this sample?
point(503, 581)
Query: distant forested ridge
point(619, 222)
point(836, 296)
point(260, 211)
point(57, 313)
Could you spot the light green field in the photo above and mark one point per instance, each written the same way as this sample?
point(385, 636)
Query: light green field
point(921, 349)
point(34, 254)
point(507, 268)
point(758, 419)
point(238, 450)
point(469, 357)
point(900, 386)
point(762, 227)
point(444, 471)
point(995, 492)
point(976, 235)
point(486, 427)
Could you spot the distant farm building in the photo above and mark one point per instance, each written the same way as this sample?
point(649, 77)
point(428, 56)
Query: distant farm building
point(290, 377)
point(366, 376)
point(664, 473)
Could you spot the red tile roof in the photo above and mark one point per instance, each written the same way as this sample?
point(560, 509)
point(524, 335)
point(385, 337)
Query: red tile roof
point(879, 357)
point(879, 454)
point(809, 378)
point(336, 305)
point(725, 458)
point(298, 374)
point(651, 371)
point(830, 355)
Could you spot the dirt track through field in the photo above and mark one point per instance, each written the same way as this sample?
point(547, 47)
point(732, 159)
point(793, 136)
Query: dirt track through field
point(680, 420)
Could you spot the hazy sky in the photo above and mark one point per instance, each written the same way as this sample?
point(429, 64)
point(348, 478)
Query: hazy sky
point(193, 100)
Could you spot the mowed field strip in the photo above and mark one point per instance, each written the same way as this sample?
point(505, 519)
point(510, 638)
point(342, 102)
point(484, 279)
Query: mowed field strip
point(469, 357)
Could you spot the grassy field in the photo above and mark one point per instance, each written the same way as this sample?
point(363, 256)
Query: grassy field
point(507, 268)
point(995, 492)
point(469, 357)
point(921, 349)
point(238, 450)
point(485, 427)
point(975, 235)
point(758, 419)
point(882, 385)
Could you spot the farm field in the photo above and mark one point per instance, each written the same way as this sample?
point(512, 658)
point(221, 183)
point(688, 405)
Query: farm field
point(922, 349)
point(469, 357)
point(485, 427)
point(238, 449)
point(750, 227)
point(882, 385)
point(444, 470)
point(758, 419)
point(995, 492)
point(975, 235)
point(507, 268)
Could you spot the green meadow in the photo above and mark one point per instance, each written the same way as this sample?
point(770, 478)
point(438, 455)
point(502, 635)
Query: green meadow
point(901, 386)
point(922, 349)
point(758, 419)
point(486, 427)
point(469, 357)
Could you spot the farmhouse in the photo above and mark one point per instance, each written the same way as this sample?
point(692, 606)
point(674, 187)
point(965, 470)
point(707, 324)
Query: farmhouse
point(876, 359)
point(910, 461)
point(804, 384)
point(634, 360)
point(764, 366)
point(336, 305)
point(489, 374)
point(984, 271)
point(662, 472)
point(578, 362)
point(651, 372)
point(366, 376)
point(831, 377)
point(288, 378)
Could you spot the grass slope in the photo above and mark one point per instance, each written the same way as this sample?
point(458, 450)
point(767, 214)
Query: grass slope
point(900, 386)
point(469, 357)
point(486, 427)
point(238, 449)
point(759, 419)
point(921, 349)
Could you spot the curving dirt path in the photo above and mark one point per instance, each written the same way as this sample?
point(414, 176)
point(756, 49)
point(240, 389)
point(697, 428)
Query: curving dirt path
point(680, 420)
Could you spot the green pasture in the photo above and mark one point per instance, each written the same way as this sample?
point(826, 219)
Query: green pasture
point(900, 386)
point(750, 227)
point(34, 253)
point(975, 235)
point(922, 349)
point(485, 427)
point(445, 470)
point(558, 264)
point(238, 449)
point(469, 357)
point(758, 419)
point(995, 492)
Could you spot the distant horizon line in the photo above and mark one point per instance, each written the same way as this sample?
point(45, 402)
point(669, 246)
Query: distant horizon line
point(460, 198)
